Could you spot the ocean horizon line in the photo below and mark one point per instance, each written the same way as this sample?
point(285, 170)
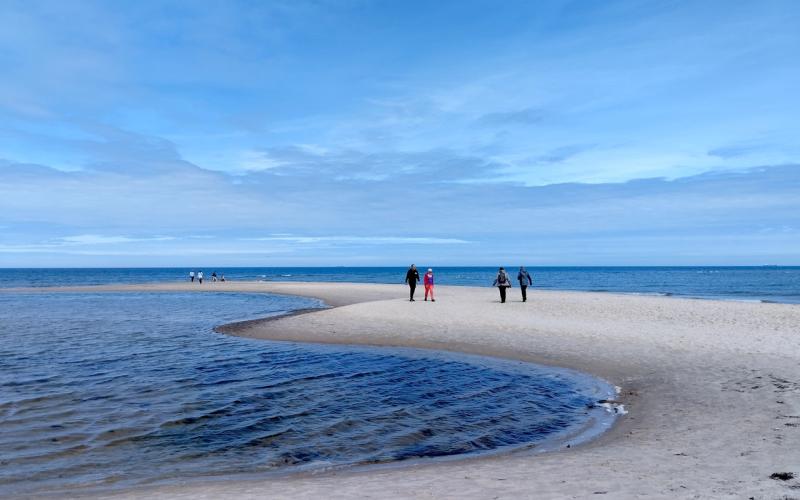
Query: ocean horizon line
point(403, 266)
point(757, 283)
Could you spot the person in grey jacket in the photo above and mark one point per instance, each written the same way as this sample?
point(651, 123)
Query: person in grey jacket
point(503, 281)
point(524, 279)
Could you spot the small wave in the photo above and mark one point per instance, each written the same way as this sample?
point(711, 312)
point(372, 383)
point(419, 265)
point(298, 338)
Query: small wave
point(217, 405)
point(259, 441)
point(615, 408)
point(647, 294)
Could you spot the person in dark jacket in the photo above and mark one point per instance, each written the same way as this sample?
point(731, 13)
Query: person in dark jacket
point(524, 279)
point(412, 278)
point(502, 282)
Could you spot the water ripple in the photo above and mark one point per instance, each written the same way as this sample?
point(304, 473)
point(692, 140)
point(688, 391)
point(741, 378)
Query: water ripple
point(125, 389)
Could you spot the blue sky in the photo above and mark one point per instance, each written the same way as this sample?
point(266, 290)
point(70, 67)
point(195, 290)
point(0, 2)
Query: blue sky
point(381, 133)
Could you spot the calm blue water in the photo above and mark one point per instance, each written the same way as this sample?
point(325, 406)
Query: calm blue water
point(772, 284)
point(116, 390)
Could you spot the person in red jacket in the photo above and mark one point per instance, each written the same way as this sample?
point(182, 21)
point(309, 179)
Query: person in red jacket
point(428, 282)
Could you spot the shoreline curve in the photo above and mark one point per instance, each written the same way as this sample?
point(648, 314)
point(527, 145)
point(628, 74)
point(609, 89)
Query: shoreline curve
point(713, 389)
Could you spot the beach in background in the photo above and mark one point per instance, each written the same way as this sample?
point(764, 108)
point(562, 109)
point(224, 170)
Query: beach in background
point(757, 283)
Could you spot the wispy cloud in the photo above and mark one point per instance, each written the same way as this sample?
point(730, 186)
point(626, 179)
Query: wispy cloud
point(736, 150)
point(71, 243)
point(402, 219)
point(98, 239)
point(525, 116)
point(563, 153)
point(425, 166)
point(361, 240)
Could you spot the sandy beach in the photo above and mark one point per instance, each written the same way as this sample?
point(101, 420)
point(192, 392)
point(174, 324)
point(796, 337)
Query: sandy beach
point(712, 389)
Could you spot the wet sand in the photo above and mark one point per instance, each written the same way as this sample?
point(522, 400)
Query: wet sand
point(712, 389)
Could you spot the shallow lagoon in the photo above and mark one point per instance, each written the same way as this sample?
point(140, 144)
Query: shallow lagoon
point(123, 389)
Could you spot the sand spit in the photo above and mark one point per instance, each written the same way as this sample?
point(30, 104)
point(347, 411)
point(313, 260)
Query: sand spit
point(712, 389)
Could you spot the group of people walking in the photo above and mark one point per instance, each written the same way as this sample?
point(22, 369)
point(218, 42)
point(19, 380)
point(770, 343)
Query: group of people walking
point(502, 282)
point(412, 278)
point(199, 276)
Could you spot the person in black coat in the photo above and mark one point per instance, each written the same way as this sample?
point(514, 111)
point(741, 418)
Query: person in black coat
point(524, 279)
point(412, 278)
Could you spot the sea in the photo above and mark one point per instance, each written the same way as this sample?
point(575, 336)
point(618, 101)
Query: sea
point(117, 390)
point(756, 283)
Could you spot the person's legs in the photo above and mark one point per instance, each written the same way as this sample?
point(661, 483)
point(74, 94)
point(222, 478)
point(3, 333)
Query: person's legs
point(432, 299)
point(502, 294)
point(427, 291)
point(411, 289)
point(524, 289)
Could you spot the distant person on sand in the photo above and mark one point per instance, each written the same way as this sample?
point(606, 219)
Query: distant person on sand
point(200, 277)
point(191, 276)
point(412, 278)
point(213, 276)
point(428, 282)
point(524, 279)
point(222, 277)
point(502, 282)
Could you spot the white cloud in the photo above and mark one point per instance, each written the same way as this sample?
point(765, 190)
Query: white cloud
point(255, 161)
point(98, 239)
point(71, 243)
point(360, 240)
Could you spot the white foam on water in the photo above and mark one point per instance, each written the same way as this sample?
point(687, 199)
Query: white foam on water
point(615, 408)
